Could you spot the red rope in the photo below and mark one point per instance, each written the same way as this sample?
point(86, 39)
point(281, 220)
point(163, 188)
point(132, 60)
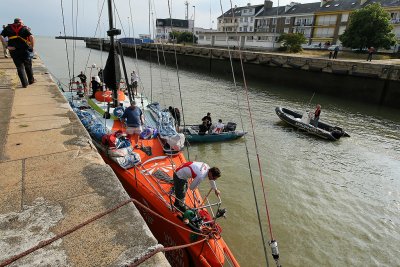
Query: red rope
point(67, 232)
point(77, 227)
point(163, 249)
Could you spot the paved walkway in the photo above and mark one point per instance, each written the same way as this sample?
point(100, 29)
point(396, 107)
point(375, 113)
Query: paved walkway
point(52, 179)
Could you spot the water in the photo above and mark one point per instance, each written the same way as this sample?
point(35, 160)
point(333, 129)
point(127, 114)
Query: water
point(331, 203)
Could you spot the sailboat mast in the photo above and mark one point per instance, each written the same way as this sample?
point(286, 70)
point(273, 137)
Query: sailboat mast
point(112, 70)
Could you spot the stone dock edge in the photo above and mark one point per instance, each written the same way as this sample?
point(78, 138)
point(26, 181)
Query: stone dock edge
point(52, 178)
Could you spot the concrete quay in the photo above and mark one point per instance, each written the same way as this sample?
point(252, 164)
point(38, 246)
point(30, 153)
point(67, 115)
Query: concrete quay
point(52, 179)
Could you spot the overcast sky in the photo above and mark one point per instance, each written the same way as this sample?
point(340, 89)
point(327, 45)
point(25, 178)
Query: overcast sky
point(45, 16)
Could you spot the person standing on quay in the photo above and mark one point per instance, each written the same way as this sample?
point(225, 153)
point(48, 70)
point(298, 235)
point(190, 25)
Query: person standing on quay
point(335, 52)
point(6, 52)
point(371, 51)
point(20, 44)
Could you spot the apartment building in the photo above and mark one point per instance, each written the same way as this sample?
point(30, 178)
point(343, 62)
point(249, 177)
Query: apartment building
point(320, 22)
point(240, 19)
point(165, 26)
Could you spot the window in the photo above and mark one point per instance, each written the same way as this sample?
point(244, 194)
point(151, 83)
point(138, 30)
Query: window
point(345, 17)
point(273, 30)
point(232, 38)
point(286, 30)
point(287, 20)
point(251, 29)
point(245, 11)
point(240, 29)
point(245, 29)
point(251, 19)
point(273, 21)
point(250, 38)
point(246, 19)
point(241, 19)
point(220, 38)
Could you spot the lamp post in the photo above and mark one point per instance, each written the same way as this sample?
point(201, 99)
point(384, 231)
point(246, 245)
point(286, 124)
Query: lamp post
point(129, 29)
point(194, 17)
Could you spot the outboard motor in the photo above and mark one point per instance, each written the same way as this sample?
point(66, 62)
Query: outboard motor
point(230, 126)
point(336, 133)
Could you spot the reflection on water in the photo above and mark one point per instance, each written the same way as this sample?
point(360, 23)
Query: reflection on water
point(331, 203)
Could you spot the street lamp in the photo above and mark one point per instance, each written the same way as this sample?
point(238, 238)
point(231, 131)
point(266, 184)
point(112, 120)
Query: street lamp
point(194, 17)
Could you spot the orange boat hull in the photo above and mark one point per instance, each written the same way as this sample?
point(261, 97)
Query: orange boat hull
point(155, 196)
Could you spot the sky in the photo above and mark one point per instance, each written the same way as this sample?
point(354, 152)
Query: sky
point(45, 18)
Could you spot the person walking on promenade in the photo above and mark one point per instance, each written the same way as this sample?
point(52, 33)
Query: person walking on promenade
point(371, 51)
point(335, 52)
point(134, 121)
point(20, 44)
point(5, 49)
point(198, 171)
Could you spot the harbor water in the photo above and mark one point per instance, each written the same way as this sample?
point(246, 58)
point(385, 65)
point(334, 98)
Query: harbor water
point(330, 203)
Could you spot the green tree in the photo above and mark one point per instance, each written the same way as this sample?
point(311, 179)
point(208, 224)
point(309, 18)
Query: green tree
point(369, 26)
point(182, 37)
point(292, 41)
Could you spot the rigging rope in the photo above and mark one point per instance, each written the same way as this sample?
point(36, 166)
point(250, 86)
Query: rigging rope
point(97, 27)
point(177, 75)
point(272, 241)
point(66, 45)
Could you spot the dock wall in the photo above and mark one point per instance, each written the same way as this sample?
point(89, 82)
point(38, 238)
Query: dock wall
point(375, 83)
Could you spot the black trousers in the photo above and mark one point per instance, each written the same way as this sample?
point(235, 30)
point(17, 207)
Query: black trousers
point(180, 188)
point(24, 69)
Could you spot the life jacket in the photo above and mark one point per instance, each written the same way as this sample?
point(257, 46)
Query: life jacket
point(187, 165)
point(16, 29)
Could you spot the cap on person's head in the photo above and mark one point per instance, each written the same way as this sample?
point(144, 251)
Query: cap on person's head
point(215, 172)
point(133, 103)
point(17, 20)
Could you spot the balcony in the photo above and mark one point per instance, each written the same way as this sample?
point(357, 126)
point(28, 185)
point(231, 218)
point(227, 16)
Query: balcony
point(229, 24)
point(303, 24)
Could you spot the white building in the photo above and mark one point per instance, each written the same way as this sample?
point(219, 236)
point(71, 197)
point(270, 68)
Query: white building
point(165, 26)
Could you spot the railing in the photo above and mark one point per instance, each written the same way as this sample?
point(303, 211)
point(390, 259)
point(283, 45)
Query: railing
point(303, 24)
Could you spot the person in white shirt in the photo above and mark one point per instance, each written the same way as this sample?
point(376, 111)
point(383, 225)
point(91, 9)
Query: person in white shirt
point(134, 81)
point(198, 171)
point(219, 127)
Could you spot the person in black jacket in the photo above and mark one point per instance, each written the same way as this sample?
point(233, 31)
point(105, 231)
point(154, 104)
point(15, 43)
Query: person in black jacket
point(20, 44)
point(176, 114)
point(208, 120)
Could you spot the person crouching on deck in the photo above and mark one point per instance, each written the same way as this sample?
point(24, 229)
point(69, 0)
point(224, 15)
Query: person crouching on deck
point(198, 171)
point(134, 121)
